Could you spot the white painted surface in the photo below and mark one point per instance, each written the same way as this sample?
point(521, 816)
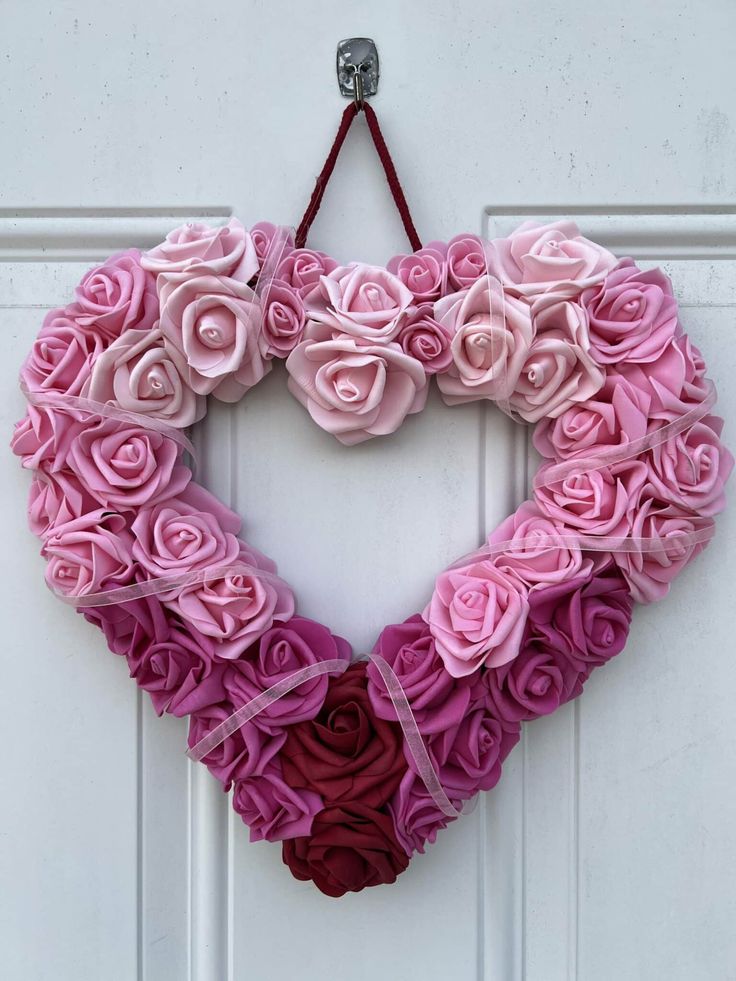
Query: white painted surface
point(606, 853)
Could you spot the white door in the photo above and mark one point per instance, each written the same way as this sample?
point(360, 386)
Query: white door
point(606, 853)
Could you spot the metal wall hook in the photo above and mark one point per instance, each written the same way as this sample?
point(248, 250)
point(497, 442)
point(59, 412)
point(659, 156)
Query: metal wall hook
point(357, 68)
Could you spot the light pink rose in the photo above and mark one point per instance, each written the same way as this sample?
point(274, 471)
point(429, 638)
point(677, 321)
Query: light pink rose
point(119, 295)
point(558, 371)
point(690, 470)
point(536, 258)
point(272, 809)
point(541, 553)
point(283, 319)
point(476, 615)
point(615, 416)
point(302, 270)
point(55, 499)
point(356, 391)
point(125, 466)
point(466, 260)
point(88, 554)
point(263, 234)
point(367, 302)
point(490, 340)
point(215, 323)
point(43, 437)
point(423, 272)
point(62, 356)
point(632, 314)
point(198, 249)
point(595, 502)
point(143, 372)
point(650, 569)
point(423, 338)
point(235, 610)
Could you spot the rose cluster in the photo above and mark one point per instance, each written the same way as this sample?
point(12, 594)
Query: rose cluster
point(544, 322)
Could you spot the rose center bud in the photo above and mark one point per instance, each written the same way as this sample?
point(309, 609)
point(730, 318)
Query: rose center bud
point(280, 657)
point(156, 383)
point(216, 328)
point(375, 298)
point(535, 374)
point(540, 684)
point(631, 306)
point(50, 353)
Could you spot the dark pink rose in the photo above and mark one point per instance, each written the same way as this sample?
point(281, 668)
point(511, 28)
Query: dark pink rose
point(283, 320)
point(62, 356)
point(131, 627)
point(272, 809)
point(302, 270)
point(263, 233)
point(196, 248)
point(416, 817)
point(423, 272)
point(423, 338)
point(88, 555)
point(536, 682)
point(246, 752)
point(466, 260)
point(56, 498)
point(469, 757)
point(279, 653)
point(632, 315)
point(116, 296)
point(438, 701)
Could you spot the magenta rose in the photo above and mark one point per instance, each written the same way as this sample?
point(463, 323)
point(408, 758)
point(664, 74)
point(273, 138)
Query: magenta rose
point(469, 757)
point(272, 809)
point(535, 683)
point(56, 498)
point(88, 554)
point(476, 616)
point(283, 319)
point(632, 314)
point(62, 356)
point(125, 466)
point(302, 270)
point(278, 654)
point(490, 341)
point(43, 436)
point(263, 234)
point(117, 296)
point(466, 260)
point(130, 628)
point(246, 752)
point(197, 249)
point(365, 302)
point(538, 258)
point(426, 340)
point(143, 372)
point(356, 391)
point(423, 272)
point(416, 817)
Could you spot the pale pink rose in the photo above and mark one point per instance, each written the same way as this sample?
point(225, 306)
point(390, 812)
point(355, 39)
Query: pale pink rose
point(595, 502)
point(615, 416)
point(490, 334)
point(43, 436)
point(540, 553)
point(215, 323)
point(235, 610)
point(476, 615)
point(88, 554)
point(558, 371)
point(690, 470)
point(283, 319)
point(198, 249)
point(264, 233)
point(666, 550)
point(56, 498)
point(466, 260)
point(302, 270)
point(143, 372)
point(62, 355)
point(632, 315)
point(537, 258)
point(117, 296)
point(356, 391)
point(272, 809)
point(124, 466)
point(367, 302)
point(423, 272)
point(423, 338)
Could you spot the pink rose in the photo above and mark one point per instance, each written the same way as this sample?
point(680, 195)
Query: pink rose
point(367, 302)
point(616, 416)
point(595, 502)
point(119, 295)
point(185, 533)
point(43, 436)
point(476, 616)
point(540, 552)
point(283, 320)
point(56, 498)
point(235, 610)
point(198, 249)
point(466, 260)
point(416, 817)
point(535, 683)
point(491, 335)
point(666, 550)
point(356, 391)
point(303, 269)
point(423, 272)
point(143, 372)
point(558, 371)
point(426, 340)
point(62, 356)
point(632, 314)
point(469, 758)
point(272, 809)
point(263, 234)
point(537, 258)
point(125, 466)
point(88, 554)
point(215, 323)
point(246, 752)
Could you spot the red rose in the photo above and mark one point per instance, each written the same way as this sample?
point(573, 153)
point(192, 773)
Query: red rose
point(351, 847)
point(346, 753)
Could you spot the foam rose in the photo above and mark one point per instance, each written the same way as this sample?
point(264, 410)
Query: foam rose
point(424, 272)
point(366, 302)
point(196, 248)
point(284, 320)
point(263, 234)
point(303, 269)
point(88, 555)
point(43, 436)
point(245, 753)
point(117, 296)
point(356, 391)
point(426, 340)
point(272, 809)
point(55, 498)
point(469, 758)
point(535, 683)
point(62, 356)
point(416, 817)
point(466, 260)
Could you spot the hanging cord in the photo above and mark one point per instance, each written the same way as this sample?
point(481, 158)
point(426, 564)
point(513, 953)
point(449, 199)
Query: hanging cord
point(351, 111)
